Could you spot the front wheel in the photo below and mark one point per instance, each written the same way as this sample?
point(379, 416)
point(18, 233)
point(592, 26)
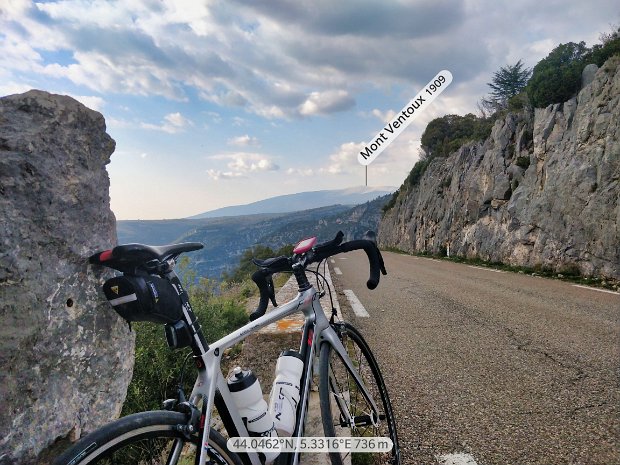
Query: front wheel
point(344, 409)
point(149, 438)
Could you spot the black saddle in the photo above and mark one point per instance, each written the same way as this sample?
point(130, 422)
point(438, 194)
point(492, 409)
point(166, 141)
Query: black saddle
point(130, 256)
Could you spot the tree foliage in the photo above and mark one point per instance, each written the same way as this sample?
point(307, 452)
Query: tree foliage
point(557, 77)
point(445, 135)
point(245, 268)
point(509, 81)
point(610, 45)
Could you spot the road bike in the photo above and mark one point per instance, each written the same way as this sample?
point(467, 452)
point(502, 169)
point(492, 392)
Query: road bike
point(354, 401)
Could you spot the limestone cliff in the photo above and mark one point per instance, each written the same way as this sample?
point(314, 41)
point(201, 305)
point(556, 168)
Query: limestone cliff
point(543, 189)
point(65, 357)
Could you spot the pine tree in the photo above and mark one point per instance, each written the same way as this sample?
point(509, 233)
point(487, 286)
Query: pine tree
point(509, 81)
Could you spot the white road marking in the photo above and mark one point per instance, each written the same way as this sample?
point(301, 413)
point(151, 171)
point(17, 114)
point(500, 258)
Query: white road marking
point(486, 269)
point(332, 260)
point(596, 289)
point(456, 459)
point(342, 258)
point(356, 305)
point(337, 270)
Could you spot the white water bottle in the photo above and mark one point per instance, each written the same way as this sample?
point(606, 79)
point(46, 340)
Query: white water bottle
point(285, 392)
point(248, 397)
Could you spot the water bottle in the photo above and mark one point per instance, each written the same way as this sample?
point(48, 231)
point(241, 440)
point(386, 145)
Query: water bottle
point(285, 392)
point(248, 397)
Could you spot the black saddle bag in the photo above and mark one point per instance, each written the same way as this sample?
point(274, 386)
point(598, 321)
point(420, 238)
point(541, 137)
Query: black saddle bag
point(144, 298)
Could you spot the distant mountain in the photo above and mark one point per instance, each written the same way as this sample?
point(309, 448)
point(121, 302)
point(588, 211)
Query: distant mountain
point(301, 201)
point(226, 238)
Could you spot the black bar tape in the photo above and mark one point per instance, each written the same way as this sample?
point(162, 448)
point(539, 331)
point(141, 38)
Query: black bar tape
point(260, 279)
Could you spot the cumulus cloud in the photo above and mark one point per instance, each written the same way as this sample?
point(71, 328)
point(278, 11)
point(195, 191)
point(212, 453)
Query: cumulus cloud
point(244, 141)
point(216, 175)
point(326, 102)
point(172, 124)
point(304, 172)
point(284, 58)
point(91, 101)
point(341, 161)
point(241, 164)
point(384, 116)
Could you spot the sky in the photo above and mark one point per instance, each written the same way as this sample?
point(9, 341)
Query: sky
point(217, 103)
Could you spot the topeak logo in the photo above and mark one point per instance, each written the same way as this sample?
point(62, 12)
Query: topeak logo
point(153, 291)
point(115, 289)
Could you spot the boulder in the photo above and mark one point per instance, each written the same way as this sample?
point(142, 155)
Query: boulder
point(66, 358)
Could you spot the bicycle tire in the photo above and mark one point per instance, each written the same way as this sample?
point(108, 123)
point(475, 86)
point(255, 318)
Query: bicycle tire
point(333, 421)
point(143, 438)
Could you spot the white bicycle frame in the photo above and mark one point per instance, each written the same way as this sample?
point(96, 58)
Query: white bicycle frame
point(210, 378)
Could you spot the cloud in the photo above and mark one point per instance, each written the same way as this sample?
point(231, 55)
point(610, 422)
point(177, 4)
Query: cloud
point(172, 124)
point(282, 59)
point(326, 102)
point(244, 141)
point(91, 101)
point(216, 175)
point(300, 172)
point(341, 161)
point(384, 116)
point(241, 164)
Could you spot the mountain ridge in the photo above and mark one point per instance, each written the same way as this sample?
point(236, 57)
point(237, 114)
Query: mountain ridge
point(300, 201)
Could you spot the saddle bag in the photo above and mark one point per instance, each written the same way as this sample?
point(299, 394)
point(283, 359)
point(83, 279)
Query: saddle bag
point(144, 298)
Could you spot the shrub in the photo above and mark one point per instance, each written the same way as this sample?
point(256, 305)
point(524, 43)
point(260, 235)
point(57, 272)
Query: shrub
point(518, 102)
point(388, 206)
point(245, 268)
point(609, 46)
point(445, 135)
point(523, 162)
point(557, 77)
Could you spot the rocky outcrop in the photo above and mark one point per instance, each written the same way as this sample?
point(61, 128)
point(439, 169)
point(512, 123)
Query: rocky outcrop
point(542, 190)
point(65, 357)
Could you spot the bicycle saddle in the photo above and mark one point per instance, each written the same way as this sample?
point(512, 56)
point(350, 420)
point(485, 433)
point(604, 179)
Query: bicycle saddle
point(128, 256)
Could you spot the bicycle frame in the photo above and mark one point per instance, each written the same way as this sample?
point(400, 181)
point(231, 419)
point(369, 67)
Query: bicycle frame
point(211, 386)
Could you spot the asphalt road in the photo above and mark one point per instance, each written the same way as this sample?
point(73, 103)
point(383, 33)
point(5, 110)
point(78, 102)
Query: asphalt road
point(507, 368)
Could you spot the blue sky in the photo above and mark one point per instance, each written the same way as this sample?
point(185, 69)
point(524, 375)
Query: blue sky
point(214, 103)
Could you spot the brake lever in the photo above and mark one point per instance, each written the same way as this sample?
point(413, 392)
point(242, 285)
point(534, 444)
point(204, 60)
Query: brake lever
point(272, 291)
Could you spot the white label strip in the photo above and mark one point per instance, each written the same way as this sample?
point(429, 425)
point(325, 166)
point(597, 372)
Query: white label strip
point(356, 305)
point(123, 300)
point(401, 120)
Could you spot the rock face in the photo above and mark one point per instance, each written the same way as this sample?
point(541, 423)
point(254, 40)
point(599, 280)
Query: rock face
point(65, 357)
point(542, 190)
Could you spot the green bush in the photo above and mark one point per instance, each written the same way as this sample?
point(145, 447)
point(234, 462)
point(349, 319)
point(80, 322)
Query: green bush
point(245, 268)
point(609, 46)
point(557, 77)
point(388, 206)
point(445, 135)
point(523, 162)
point(518, 102)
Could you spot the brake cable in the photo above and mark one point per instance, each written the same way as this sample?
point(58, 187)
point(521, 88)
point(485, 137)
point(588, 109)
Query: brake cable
point(329, 289)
